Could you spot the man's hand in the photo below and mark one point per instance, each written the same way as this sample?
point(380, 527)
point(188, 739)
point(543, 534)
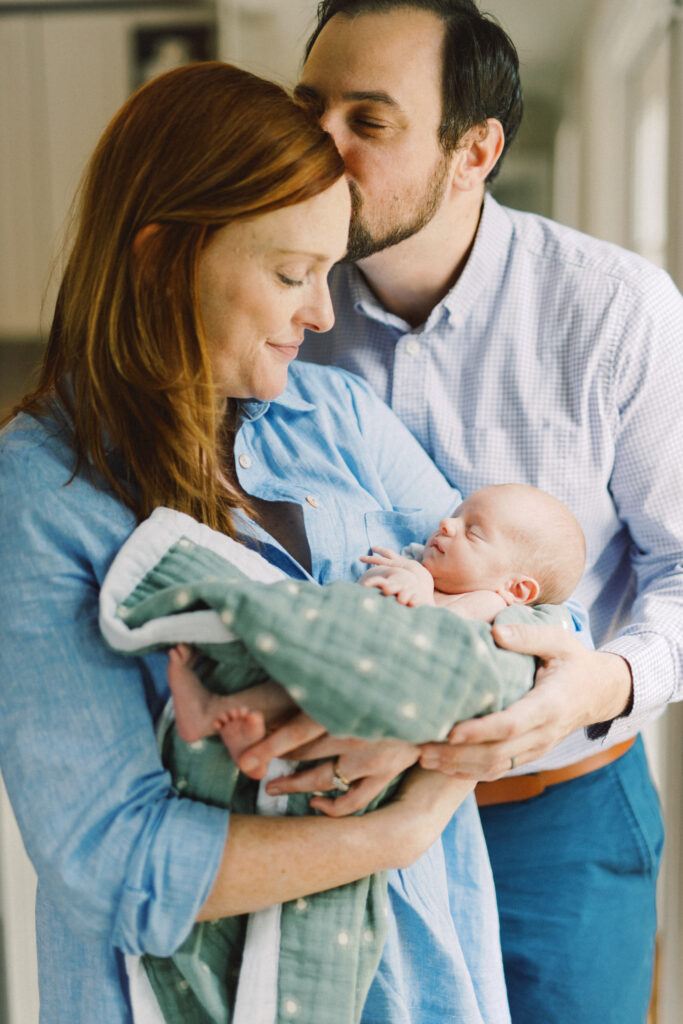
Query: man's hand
point(574, 687)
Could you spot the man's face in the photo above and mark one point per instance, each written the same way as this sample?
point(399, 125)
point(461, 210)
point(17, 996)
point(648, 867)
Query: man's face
point(376, 80)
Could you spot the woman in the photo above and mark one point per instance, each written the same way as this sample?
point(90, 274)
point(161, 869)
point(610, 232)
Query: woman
point(210, 214)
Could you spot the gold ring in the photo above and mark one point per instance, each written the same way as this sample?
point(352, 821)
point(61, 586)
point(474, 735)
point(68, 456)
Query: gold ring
point(340, 781)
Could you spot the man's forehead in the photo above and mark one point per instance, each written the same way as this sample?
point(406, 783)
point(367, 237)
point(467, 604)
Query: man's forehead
point(373, 51)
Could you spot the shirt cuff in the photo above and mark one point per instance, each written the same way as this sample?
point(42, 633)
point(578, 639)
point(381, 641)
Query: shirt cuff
point(169, 881)
point(652, 669)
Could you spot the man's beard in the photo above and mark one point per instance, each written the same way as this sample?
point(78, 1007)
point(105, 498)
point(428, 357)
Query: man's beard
point(362, 243)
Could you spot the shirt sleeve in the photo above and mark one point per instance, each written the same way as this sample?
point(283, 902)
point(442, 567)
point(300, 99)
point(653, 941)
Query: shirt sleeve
point(122, 856)
point(647, 489)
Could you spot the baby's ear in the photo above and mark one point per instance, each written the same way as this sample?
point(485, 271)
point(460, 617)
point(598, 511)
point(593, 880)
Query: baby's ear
point(523, 589)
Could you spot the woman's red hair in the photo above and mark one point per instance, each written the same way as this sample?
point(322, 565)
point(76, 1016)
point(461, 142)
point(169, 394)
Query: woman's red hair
point(192, 150)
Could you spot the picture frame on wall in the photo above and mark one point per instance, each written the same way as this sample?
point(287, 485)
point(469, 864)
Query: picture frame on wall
point(159, 48)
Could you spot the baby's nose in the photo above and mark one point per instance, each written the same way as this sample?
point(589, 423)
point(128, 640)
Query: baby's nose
point(448, 527)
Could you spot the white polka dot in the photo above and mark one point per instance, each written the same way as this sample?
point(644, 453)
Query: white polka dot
point(480, 647)
point(123, 612)
point(181, 784)
point(197, 746)
point(343, 938)
point(266, 642)
point(185, 543)
point(487, 700)
point(422, 641)
point(183, 985)
point(409, 709)
point(301, 905)
point(368, 935)
point(370, 604)
point(290, 1007)
point(297, 693)
point(293, 588)
point(181, 598)
point(205, 967)
point(365, 665)
point(311, 613)
point(227, 617)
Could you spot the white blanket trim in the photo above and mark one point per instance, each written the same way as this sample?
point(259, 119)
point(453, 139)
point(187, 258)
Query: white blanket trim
point(256, 1000)
point(140, 553)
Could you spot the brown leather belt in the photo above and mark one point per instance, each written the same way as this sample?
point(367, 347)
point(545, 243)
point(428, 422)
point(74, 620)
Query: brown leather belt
point(522, 787)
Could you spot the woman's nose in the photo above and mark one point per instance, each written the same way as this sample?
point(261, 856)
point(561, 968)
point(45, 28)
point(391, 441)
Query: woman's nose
point(319, 315)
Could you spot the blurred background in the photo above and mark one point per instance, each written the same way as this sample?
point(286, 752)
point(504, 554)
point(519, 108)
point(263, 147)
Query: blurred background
point(600, 149)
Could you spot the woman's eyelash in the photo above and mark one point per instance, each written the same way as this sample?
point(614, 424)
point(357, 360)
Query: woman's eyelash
point(289, 281)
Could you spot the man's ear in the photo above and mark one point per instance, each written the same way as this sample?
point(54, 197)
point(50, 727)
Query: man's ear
point(522, 589)
point(143, 236)
point(477, 153)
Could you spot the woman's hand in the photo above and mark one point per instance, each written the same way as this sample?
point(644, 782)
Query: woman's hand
point(574, 687)
point(368, 767)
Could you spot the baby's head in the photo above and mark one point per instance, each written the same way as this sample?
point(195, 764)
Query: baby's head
point(512, 538)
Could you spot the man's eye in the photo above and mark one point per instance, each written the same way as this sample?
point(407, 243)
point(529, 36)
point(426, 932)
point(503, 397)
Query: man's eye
point(363, 122)
point(290, 281)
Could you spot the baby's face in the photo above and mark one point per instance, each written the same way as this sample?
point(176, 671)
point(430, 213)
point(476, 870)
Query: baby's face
point(473, 549)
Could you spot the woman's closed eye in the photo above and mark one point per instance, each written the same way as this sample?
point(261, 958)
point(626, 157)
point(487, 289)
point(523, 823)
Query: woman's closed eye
point(291, 282)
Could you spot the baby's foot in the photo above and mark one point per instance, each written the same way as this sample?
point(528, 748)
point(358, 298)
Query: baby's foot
point(239, 728)
point(196, 708)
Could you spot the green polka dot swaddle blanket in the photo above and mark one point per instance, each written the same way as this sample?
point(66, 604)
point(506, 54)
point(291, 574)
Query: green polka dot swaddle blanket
point(357, 662)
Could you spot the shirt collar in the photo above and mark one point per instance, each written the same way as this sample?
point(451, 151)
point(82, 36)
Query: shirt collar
point(254, 408)
point(485, 263)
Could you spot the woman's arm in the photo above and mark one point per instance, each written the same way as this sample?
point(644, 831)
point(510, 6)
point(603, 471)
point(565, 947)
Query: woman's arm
point(272, 860)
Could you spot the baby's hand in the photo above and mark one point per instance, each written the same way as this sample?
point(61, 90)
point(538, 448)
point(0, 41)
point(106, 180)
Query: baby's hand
point(396, 583)
point(387, 557)
point(396, 576)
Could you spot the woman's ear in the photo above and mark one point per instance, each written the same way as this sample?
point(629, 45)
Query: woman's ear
point(477, 153)
point(143, 236)
point(523, 589)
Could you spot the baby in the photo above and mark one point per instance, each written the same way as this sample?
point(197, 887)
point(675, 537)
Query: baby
point(506, 544)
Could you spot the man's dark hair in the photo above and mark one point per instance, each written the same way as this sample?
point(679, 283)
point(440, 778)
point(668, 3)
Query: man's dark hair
point(480, 74)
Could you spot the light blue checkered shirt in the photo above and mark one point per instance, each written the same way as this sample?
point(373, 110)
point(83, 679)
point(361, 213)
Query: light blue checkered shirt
point(555, 360)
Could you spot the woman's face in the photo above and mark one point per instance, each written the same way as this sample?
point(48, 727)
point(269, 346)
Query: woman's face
point(262, 282)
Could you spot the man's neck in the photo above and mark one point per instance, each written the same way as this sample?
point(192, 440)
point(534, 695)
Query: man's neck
point(411, 278)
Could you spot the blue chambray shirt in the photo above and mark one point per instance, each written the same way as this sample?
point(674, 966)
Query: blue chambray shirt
point(555, 360)
point(123, 863)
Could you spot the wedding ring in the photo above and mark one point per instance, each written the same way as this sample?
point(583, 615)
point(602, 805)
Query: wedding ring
point(513, 762)
point(340, 781)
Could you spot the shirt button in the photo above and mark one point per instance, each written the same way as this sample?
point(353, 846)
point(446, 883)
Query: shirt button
point(412, 347)
point(312, 501)
point(457, 319)
point(244, 461)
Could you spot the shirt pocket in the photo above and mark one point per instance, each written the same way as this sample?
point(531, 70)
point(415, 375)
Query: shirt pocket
point(548, 456)
point(398, 527)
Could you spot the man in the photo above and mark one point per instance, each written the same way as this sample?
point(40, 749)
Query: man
point(518, 350)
